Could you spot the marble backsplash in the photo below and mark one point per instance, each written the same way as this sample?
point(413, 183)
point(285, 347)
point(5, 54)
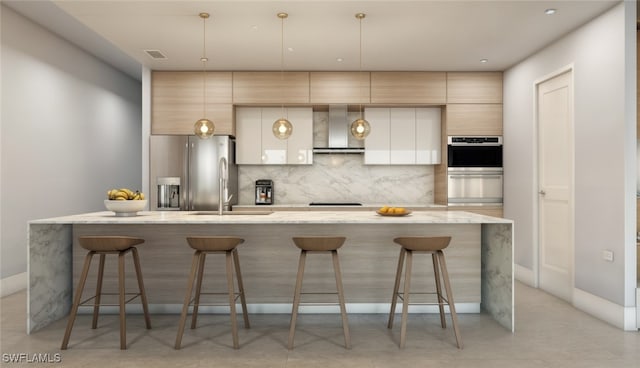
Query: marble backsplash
point(339, 178)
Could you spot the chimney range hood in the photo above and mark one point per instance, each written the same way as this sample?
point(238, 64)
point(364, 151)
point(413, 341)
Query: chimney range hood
point(338, 132)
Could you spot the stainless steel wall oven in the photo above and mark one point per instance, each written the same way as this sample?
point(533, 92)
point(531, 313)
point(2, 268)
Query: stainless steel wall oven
point(474, 170)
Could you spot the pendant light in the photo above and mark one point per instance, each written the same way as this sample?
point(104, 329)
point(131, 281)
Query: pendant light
point(282, 127)
point(360, 128)
point(204, 127)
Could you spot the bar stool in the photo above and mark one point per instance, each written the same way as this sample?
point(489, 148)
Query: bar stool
point(104, 245)
point(433, 246)
point(204, 245)
point(319, 245)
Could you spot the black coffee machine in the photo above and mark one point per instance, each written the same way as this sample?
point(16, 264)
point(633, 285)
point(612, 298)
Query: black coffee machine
point(264, 191)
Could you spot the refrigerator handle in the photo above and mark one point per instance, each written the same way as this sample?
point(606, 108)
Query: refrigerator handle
point(186, 174)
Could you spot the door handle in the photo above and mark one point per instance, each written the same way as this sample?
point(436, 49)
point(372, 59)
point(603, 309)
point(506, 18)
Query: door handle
point(476, 176)
point(542, 192)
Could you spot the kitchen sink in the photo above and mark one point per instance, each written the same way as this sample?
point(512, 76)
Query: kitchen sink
point(232, 213)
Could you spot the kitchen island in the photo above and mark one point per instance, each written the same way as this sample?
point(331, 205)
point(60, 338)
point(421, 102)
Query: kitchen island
point(480, 258)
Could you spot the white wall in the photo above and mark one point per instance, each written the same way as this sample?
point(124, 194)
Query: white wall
point(602, 55)
point(71, 129)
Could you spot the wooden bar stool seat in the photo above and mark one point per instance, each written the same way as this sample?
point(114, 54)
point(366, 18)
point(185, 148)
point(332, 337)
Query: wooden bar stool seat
point(433, 246)
point(204, 245)
point(319, 244)
point(104, 245)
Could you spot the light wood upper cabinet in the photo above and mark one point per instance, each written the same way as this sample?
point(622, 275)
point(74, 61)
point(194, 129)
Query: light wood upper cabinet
point(177, 102)
point(270, 87)
point(339, 87)
point(474, 119)
point(474, 87)
point(409, 87)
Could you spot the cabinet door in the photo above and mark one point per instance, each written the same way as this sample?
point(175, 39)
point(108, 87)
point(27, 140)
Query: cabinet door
point(177, 102)
point(274, 150)
point(402, 139)
point(339, 87)
point(474, 87)
point(376, 145)
point(474, 119)
point(270, 87)
point(428, 129)
point(409, 87)
point(300, 144)
point(249, 135)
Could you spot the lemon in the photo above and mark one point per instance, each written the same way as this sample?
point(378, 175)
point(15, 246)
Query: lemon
point(384, 209)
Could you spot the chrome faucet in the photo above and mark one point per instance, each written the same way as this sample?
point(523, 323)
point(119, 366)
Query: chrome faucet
point(223, 174)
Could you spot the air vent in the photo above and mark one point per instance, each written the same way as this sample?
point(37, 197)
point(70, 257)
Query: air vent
point(156, 54)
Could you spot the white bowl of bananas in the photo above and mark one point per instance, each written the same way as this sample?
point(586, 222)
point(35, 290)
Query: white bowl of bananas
point(125, 202)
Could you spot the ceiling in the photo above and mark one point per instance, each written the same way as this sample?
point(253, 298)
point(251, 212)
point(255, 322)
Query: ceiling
point(246, 35)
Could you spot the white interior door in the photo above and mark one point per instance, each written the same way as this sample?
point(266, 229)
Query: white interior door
point(555, 185)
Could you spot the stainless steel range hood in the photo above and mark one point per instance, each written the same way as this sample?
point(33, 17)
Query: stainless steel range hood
point(338, 134)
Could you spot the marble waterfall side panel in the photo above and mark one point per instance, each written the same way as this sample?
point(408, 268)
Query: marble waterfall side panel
point(497, 273)
point(49, 269)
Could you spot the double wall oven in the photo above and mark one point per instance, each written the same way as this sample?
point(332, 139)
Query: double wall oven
point(474, 170)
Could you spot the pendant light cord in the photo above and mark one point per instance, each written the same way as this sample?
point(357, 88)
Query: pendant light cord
point(282, 16)
point(204, 64)
point(360, 16)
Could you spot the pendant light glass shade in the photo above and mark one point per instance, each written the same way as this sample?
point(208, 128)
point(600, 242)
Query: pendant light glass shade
point(360, 128)
point(282, 128)
point(204, 128)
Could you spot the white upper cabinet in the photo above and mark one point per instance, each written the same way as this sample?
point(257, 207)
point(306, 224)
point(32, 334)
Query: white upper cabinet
point(300, 144)
point(274, 150)
point(428, 130)
point(248, 135)
point(376, 145)
point(403, 136)
point(256, 144)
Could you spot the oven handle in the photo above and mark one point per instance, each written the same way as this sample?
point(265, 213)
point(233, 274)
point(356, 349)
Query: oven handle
point(475, 176)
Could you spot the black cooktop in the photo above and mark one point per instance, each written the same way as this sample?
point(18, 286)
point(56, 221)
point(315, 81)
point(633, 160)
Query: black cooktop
point(335, 204)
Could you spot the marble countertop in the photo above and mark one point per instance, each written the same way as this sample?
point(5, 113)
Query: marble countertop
point(277, 217)
point(364, 206)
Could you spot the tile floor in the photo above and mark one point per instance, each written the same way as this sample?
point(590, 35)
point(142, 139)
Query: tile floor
point(549, 333)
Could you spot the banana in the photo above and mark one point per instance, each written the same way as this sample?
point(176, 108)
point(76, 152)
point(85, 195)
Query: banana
point(130, 193)
point(124, 194)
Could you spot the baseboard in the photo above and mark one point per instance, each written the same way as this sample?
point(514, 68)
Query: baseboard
point(525, 275)
point(285, 308)
point(638, 308)
point(612, 313)
point(13, 284)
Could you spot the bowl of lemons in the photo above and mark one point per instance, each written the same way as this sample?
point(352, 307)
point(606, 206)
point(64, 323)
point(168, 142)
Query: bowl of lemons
point(392, 211)
point(125, 202)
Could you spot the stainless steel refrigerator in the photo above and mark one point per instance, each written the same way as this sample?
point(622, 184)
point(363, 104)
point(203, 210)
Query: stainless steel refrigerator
point(197, 162)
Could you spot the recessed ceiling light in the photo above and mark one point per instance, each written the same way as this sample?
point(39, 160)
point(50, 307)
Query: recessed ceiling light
point(290, 49)
point(550, 11)
point(484, 60)
point(254, 27)
point(339, 60)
